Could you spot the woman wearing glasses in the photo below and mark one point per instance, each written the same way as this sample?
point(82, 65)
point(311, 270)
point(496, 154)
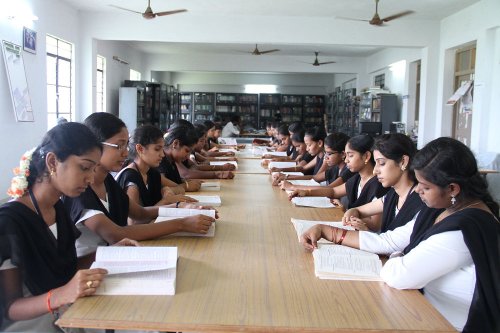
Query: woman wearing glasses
point(101, 212)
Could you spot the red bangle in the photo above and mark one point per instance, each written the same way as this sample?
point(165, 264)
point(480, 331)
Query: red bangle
point(342, 237)
point(49, 307)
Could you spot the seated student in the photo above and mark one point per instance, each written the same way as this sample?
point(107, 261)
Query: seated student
point(284, 139)
point(142, 182)
point(189, 169)
point(231, 129)
point(203, 157)
point(302, 156)
point(393, 154)
point(361, 188)
point(336, 172)
point(314, 139)
point(101, 212)
point(39, 270)
point(211, 146)
point(451, 250)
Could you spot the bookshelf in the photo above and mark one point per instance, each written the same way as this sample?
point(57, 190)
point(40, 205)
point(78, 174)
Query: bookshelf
point(291, 108)
point(203, 106)
point(244, 105)
point(314, 109)
point(186, 105)
point(269, 104)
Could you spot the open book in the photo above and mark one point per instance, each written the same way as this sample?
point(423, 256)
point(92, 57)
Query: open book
point(290, 173)
point(166, 214)
point(137, 270)
point(210, 186)
point(302, 225)
point(316, 202)
point(227, 141)
point(207, 200)
point(344, 263)
point(304, 182)
point(225, 162)
point(281, 165)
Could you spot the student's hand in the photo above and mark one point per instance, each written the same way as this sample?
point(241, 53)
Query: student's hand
point(194, 206)
point(166, 191)
point(353, 212)
point(78, 286)
point(357, 223)
point(228, 167)
point(127, 242)
point(277, 178)
point(179, 198)
point(193, 185)
point(275, 169)
point(224, 174)
point(297, 193)
point(338, 204)
point(286, 185)
point(264, 163)
point(197, 223)
point(309, 239)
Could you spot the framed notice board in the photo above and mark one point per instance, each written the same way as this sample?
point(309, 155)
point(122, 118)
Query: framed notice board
point(18, 84)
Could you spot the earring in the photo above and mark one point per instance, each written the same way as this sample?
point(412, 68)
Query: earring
point(52, 172)
point(403, 168)
point(453, 200)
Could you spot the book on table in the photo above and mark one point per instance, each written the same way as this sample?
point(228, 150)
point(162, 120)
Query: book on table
point(138, 270)
point(225, 162)
point(206, 200)
point(281, 165)
point(340, 262)
point(166, 214)
point(304, 182)
point(303, 225)
point(210, 186)
point(316, 202)
point(290, 173)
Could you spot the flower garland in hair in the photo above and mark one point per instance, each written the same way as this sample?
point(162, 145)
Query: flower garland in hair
point(19, 183)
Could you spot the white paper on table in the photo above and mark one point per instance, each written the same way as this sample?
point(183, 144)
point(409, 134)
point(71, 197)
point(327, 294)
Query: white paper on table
point(207, 200)
point(290, 173)
point(303, 225)
point(281, 165)
point(225, 162)
point(210, 186)
point(227, 141)
point(316, 202)
point(304, 182)
point(228, 150)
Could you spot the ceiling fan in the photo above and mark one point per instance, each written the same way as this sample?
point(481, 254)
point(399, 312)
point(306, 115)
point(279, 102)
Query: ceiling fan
point(149, 14)
point(317, 63)
point(376, 20)
point(256, 51)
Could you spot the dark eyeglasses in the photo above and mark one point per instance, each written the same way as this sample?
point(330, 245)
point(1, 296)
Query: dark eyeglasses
point(121, 147)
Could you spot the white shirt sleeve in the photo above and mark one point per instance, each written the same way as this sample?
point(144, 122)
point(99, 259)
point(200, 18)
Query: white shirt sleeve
point(432, 258)
point(388, 242)
point(230, 129)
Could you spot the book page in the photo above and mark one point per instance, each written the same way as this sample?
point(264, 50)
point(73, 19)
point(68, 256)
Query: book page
point(281, 165)
point(210, 186)
point(137, 254)
point(207, 200)
point(121, 267)
point(167, 213)
point(316, 202)
point(225, 162)
point(228, 150)
point(302, 226)
point(290, 173)
point(304, 182)
point(337, 261)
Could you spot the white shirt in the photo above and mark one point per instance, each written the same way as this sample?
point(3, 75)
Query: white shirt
point(89, 241)
point(441, 265)
point(230, 130)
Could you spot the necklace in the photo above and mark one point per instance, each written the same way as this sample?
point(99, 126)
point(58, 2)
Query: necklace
point(402, 200)
point(442, 216)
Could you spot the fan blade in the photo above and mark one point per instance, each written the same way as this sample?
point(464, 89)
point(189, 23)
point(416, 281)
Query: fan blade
point(269, 51)
point(170, 12)
point(130, 10)
point(395, 16)
point(350, 19)
point(326, 62)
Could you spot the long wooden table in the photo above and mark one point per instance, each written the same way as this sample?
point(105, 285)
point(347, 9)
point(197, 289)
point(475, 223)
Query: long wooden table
point(254, 276)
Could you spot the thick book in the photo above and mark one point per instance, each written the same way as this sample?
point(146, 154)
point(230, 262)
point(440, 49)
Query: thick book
point(166, 214)
point(225, 162)
point(302, 226)
point(316, 202)
point(210, 186)
point(206, 200)
point(339, 262)
point(138, 270)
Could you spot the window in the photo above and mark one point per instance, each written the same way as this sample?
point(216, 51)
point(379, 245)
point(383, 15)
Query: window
point(380, 81)
point(135, 75)
point(100, 89)
point(59, 80)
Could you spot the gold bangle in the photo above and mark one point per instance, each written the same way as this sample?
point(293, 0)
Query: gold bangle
point(187, 184)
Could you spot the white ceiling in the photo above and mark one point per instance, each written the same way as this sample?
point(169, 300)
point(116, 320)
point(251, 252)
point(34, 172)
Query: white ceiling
point(434, 10)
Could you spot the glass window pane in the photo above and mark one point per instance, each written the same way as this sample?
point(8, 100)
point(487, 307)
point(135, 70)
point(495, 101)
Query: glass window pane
point(98, 102)
point(66, 116)
point(51, 70)
point(64, 73)
point(51, 98)
point(65, 49)
point(99, 82)
point(64, 100)
point(51, 120)
point(51, 45)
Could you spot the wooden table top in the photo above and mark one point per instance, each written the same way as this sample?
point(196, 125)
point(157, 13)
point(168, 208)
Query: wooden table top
point(254, 276)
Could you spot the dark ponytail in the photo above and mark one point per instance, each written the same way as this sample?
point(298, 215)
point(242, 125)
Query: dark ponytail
point(185, 135)
point(143, 135)
point(394, 146)
point(444, 161)
point(362, 143)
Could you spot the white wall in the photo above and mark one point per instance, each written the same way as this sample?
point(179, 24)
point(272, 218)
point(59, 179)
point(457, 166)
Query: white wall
point(57, 19)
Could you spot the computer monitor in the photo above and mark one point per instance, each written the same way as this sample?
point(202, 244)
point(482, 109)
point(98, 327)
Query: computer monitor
point(372, 128)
